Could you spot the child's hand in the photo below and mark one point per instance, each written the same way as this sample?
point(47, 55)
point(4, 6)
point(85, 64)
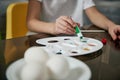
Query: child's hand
point(64, 25)
point(114, 31)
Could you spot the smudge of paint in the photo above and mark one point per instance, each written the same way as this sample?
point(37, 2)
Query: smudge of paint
point(67, 39)
point(58, 53)
point(87, 49)
point(53, 41)
point(75, 52)
point(91, 44)
point(84, 39)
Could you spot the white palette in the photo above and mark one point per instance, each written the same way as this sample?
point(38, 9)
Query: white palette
point(70, 46)
point(78, 70)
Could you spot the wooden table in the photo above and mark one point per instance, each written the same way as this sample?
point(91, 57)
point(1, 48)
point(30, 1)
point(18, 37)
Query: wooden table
point(104, 64)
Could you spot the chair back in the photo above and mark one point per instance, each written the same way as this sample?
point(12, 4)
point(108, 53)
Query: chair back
point(16, 20)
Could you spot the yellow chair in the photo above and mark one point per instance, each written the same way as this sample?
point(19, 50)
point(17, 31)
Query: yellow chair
point(16, 20)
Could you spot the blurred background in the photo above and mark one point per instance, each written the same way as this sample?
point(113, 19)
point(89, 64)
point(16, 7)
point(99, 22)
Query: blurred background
point(110, 8)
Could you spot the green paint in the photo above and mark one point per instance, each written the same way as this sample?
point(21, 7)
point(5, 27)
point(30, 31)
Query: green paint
point(77, 30)
point(79, 34)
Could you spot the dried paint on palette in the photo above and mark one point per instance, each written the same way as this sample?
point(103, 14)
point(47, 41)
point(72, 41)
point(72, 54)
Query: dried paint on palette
point(53, 41)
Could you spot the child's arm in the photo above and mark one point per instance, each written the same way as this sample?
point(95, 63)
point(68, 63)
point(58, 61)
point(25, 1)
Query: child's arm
point(103, 22)
point(33, 22)
point(63, 24)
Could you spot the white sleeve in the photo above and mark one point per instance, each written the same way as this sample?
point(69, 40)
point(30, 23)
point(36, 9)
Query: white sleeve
point(40, 0)
point(88, 3)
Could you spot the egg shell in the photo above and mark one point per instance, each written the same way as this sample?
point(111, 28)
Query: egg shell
point(34, 71)
point(36, 54)
point(58, 67)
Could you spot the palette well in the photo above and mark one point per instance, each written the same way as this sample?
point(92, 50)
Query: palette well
point(70, 46)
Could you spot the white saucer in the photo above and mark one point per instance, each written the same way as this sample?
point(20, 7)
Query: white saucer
point(79, 70)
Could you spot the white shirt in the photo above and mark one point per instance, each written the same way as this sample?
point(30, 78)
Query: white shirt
point(52, 9)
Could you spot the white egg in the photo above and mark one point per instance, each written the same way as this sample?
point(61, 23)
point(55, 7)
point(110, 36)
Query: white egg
point(36, 54)
point(58, 67)
point(34, 71)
